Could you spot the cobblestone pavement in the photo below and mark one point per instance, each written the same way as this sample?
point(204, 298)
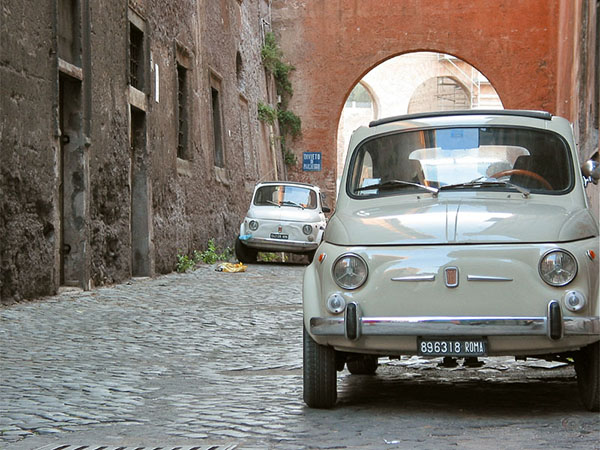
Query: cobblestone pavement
point(214, 360)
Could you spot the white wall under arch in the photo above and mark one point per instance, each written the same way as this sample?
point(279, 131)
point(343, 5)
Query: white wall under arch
point(393, 83)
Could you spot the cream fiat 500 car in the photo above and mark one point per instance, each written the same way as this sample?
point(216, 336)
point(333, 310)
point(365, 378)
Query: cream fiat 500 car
point(283, 217)
point(457, 234)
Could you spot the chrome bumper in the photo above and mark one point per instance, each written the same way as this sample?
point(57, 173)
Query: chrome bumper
point(554, 326)
point(280, 245)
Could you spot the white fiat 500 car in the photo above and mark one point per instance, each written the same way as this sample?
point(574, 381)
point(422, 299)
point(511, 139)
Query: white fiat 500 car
point(456, 234)
point(283, 217)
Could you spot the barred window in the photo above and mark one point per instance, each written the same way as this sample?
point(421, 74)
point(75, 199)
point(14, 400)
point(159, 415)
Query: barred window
point(182, 112)
point(217, 127)
point(136, 57)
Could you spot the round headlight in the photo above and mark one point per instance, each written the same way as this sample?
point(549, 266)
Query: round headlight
point(253, 225)
point(558, 267)
point(307, 229)
point(350, 271)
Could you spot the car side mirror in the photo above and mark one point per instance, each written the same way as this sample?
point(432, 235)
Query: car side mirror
point(590, 171)
point(326, 209)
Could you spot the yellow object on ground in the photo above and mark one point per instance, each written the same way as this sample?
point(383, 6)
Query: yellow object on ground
point(229, 267)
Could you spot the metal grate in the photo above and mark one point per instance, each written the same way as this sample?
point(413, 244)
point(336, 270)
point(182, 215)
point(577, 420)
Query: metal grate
point(182, 111)
point(136, 57)
point(151, 447)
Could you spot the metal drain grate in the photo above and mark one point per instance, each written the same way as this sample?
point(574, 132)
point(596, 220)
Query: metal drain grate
point(152, 447)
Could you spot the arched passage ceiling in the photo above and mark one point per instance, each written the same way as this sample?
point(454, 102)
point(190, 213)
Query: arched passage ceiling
point(334, 43)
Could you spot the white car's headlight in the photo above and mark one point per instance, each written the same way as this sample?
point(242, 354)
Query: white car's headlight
point(558, 267)
point(253, 225)
point(350, 271)
point(307, 229)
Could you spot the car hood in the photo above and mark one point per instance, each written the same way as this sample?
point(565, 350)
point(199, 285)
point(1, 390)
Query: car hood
point(435, 221)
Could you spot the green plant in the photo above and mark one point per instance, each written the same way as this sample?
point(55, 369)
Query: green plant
point(211, 255)
point(289, 123)
point(289, 158)
point(272, 257)
point(184, 263)
point(272, 60)
point(267, 113)
point(271, 53)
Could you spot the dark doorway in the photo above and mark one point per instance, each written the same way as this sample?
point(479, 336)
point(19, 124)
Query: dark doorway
point(72, 185)
point(140, 213)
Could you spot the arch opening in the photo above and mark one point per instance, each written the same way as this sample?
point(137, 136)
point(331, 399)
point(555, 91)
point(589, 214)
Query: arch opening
point(413, 83)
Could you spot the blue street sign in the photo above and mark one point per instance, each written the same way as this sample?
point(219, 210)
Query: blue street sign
point(311, 161)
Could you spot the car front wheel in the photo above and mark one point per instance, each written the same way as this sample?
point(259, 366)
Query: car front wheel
point(320, 375)
point(587, 367)
point(243, 253)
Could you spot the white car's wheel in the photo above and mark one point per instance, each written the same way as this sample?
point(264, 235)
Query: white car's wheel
point(587, 367)
point(243, 253)
point(320, 375)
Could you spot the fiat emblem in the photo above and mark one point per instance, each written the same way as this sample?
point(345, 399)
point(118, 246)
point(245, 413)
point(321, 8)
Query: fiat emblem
point(279, 229)
point(451, 276)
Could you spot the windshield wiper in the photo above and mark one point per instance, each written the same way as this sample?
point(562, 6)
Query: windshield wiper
point(274, 203)
point(291, 203)
point(395, 184)
point(481, 183)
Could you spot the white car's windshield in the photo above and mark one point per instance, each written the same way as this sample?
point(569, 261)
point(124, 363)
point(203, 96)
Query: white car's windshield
point(285, 195)
point(461, 158)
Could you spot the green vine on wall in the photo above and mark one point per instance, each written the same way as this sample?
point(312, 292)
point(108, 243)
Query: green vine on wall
point(266, 113)
point(289, 123)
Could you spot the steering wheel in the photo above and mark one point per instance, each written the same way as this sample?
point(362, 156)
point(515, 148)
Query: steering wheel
point(526, 173)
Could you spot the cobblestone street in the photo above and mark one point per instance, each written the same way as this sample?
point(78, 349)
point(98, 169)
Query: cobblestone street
point(215, 359)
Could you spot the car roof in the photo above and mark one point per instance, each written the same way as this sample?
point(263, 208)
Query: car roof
point(463, 118)
point(467, 112)
point(287, 183)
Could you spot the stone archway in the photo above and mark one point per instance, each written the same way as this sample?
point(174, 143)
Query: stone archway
point(413, 83)
point(513, 44)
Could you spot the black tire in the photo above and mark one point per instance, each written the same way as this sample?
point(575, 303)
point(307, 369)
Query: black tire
point(587, 367)
point(362, 365)
point(243, 253)
point(320, 376)
point(311, 256)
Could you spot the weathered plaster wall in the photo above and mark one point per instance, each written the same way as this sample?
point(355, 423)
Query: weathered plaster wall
point(126, 175)
point(513, 43)
point(578, 84)
point(28, 149)
point(109, 149)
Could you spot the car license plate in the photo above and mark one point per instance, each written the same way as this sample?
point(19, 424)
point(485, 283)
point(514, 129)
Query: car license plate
point(451, 347)
point(279, 236)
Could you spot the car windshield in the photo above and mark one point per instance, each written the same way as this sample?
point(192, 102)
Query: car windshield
point(286, 195)
point(485, 158)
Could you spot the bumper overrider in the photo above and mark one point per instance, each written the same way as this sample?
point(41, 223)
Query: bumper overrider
point(554, 325)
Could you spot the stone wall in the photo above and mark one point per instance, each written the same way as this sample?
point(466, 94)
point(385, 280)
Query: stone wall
point(28, 135)
point(100, 178)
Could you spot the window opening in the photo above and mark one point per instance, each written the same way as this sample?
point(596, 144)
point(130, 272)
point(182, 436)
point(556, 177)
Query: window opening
point(182, 112)
point(69, 45)
point(136, 57)
point(217, 127)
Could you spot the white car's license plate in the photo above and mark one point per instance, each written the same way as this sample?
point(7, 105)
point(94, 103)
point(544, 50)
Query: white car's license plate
point(451, 347)
point(279, 236)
